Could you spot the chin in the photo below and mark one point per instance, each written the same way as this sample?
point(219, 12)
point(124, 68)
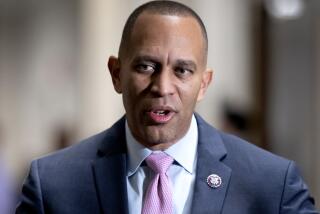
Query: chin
point(160, 144)
point(159, 137)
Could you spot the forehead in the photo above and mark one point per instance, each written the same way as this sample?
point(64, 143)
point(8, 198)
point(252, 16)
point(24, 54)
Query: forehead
point(167, 34)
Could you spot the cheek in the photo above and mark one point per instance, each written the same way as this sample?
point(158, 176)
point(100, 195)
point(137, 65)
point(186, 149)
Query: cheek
point(189, 93)
point(133, 87)
point(130, 82)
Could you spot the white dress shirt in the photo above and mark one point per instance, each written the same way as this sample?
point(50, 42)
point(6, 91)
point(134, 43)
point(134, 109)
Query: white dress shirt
point(182, 173)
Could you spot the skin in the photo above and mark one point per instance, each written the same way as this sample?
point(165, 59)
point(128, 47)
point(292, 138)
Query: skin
point(163, 69)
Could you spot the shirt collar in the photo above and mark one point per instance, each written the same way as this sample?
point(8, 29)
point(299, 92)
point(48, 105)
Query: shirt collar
point(184, 151)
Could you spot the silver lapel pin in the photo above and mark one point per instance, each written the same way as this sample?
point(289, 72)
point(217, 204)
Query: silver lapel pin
point(214, 181)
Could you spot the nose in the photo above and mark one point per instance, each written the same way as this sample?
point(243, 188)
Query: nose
point(162, 83)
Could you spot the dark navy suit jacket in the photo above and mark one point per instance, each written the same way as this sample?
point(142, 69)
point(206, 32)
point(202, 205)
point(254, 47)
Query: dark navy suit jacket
point(90, 177)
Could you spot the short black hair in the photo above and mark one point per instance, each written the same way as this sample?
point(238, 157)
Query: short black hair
point(161, 8)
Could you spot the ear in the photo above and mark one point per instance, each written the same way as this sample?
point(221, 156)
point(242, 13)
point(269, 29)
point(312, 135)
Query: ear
point(114, 69)
point(205, 82)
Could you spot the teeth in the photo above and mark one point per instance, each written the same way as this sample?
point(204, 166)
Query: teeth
point(160, 112)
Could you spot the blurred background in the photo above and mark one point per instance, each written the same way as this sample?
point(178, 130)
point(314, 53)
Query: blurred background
point(55, 88)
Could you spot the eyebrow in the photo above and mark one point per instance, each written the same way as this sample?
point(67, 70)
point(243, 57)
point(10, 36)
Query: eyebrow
point(180, 62)
point(144, 58)
point(186, 63)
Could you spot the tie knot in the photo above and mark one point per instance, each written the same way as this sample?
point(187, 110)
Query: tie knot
point(159, 162)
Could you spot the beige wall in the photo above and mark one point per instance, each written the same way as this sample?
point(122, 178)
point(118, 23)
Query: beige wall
point(100, 29)
point(229, 26)
point(37, 68)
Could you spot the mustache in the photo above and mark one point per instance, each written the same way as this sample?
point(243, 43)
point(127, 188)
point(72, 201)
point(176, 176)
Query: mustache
point(161, 103)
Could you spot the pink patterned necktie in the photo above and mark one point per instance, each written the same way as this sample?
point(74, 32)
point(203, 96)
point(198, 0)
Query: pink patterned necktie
point(158, 198)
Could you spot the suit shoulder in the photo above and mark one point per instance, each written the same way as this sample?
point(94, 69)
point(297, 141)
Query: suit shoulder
point(84, 150)
point(244, 151)
point(238, 151)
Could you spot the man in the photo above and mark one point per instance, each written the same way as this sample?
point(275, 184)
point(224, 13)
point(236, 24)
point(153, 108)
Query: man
point(162, 157)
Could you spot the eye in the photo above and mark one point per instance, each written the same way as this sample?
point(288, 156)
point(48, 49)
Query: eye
point(145, 68)
point(183, 72)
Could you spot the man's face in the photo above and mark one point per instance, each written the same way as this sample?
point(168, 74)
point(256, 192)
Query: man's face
point(161, 76)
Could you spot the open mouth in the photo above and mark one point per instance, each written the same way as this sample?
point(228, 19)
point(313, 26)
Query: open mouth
point(161, 112)
point(160, 116)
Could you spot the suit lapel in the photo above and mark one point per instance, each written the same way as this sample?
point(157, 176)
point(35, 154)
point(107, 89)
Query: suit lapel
point(110, 177)
point(109, 171)
point(211, 152)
